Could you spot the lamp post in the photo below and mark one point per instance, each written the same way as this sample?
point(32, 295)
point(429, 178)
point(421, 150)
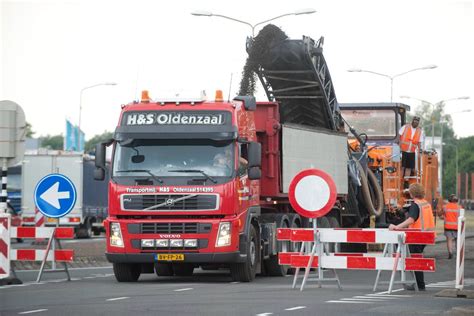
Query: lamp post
point(252, 26)
point(433, 105)
point(80, 107)
point(392, 77)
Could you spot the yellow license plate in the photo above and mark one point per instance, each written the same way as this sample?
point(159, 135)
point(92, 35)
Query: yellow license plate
point(52, 220)
point(170, 257)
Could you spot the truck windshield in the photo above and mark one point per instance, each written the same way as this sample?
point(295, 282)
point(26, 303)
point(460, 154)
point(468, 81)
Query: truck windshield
point(375, 123)
point(174, 158)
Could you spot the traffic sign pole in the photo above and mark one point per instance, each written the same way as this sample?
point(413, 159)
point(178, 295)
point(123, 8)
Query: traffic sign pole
point(3, 193)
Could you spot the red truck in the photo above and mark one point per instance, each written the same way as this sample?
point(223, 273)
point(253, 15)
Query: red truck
point(198, 183)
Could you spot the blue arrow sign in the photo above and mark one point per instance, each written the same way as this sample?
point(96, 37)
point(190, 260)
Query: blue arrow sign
point(55, 195)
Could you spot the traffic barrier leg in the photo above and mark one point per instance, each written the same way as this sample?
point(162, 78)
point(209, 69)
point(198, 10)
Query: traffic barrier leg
point(52, 240)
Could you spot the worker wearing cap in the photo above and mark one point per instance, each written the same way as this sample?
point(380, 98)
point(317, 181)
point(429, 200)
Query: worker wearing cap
point(451, 214)
point(411, 139)
point(420, 216)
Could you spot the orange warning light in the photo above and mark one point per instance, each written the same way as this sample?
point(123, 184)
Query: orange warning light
point(145, 96)
point(219, 96)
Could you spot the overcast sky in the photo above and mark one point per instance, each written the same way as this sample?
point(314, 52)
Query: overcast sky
point(50, 50)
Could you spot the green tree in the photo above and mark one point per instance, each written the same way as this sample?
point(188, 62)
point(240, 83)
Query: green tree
point(52, 142)
point(29, 130)
point(90, 144)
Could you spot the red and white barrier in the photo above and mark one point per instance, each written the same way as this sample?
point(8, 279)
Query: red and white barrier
point(54, 234)
point(460, 249)
point(319, 258)
point(4, 246)
point(39, 218)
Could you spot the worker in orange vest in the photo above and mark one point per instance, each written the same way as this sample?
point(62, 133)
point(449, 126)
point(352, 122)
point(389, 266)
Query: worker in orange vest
point(451, 214)
point(411, 139)
point(420, 216)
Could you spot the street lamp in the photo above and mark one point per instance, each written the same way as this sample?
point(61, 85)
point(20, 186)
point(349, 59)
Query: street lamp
point(433, 105)
point(392, 77)
point(80, 107)
point(252, 26)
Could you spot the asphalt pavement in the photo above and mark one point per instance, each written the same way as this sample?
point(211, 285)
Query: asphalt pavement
point(94, 291)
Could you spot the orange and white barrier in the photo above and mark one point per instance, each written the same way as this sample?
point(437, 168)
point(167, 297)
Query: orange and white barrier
point(53, 234)
point(318, 257)
point(460, 249)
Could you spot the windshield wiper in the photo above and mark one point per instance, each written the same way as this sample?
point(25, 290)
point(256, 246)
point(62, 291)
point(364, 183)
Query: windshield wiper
point(195, 171)
point(143, 170)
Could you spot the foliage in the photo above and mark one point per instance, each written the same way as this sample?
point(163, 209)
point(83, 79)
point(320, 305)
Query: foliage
point(90, 144)
point(54, 142)
point(29, 130)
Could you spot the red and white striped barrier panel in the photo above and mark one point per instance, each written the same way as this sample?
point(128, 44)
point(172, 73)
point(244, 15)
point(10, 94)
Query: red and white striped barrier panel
point(42, 232)
point(366, 236)
point(39, 218)
point(4, 246)
point(460, 249)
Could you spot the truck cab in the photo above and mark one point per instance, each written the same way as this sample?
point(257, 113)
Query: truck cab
point(184, 187)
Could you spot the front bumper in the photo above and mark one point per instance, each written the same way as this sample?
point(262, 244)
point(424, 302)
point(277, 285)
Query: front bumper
point(225, 257)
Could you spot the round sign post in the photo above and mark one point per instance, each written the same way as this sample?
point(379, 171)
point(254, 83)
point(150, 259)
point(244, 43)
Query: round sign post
point(312, 194)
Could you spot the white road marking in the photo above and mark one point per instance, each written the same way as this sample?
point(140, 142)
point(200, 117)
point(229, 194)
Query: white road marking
point(264, 314)
point(186, 289)
point(295, 308)
point(389, 295)
point(360, 300)
point(377, 297)
point(394, 291)
point(117, 298)
point(34, 311)
point(236, 282)
point(349, 302)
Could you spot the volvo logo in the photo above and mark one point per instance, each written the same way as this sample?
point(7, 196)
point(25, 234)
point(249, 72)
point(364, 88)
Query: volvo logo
point(169, 202)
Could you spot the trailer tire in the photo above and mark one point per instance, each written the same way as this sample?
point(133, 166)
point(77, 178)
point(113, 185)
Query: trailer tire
point(84, 230)
point(163, 269)
point(183, 269)
point(245, 272)
point(272, 266)
point(127, 272)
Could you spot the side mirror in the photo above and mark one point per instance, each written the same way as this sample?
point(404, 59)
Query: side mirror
point(255, 173)
point(99, 172)
point(255, 154)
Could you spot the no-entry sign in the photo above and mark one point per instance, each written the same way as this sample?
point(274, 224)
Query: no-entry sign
point(312, 193)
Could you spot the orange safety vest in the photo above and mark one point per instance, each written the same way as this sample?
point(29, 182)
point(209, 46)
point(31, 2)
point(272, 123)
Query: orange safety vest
point(409, 142)
point(451, 214)
point(425, 219)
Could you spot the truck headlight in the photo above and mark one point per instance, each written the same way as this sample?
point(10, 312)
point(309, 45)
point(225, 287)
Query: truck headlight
point(148, 243)
point(223, 235)
point(176, 243)
point(162, 243)
point(116, 239)
point(190, 243)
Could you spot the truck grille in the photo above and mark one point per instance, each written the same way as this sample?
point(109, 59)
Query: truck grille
point(169, 228)
point(170, 202)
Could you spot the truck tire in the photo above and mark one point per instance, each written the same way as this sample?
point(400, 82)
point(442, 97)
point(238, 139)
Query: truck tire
point(126, 272)
point(333, 223)
point(84, 230)
point(272, 267)
point(164, 269)
point(183, 269)
point(245, 272)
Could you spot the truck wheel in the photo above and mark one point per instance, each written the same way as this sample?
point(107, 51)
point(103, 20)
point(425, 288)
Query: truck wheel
point(127, 272)
point(333, 223)
point(163, 269)
point(245, 272)
point(84, 230)
point(183, 269)
point(272, 266)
